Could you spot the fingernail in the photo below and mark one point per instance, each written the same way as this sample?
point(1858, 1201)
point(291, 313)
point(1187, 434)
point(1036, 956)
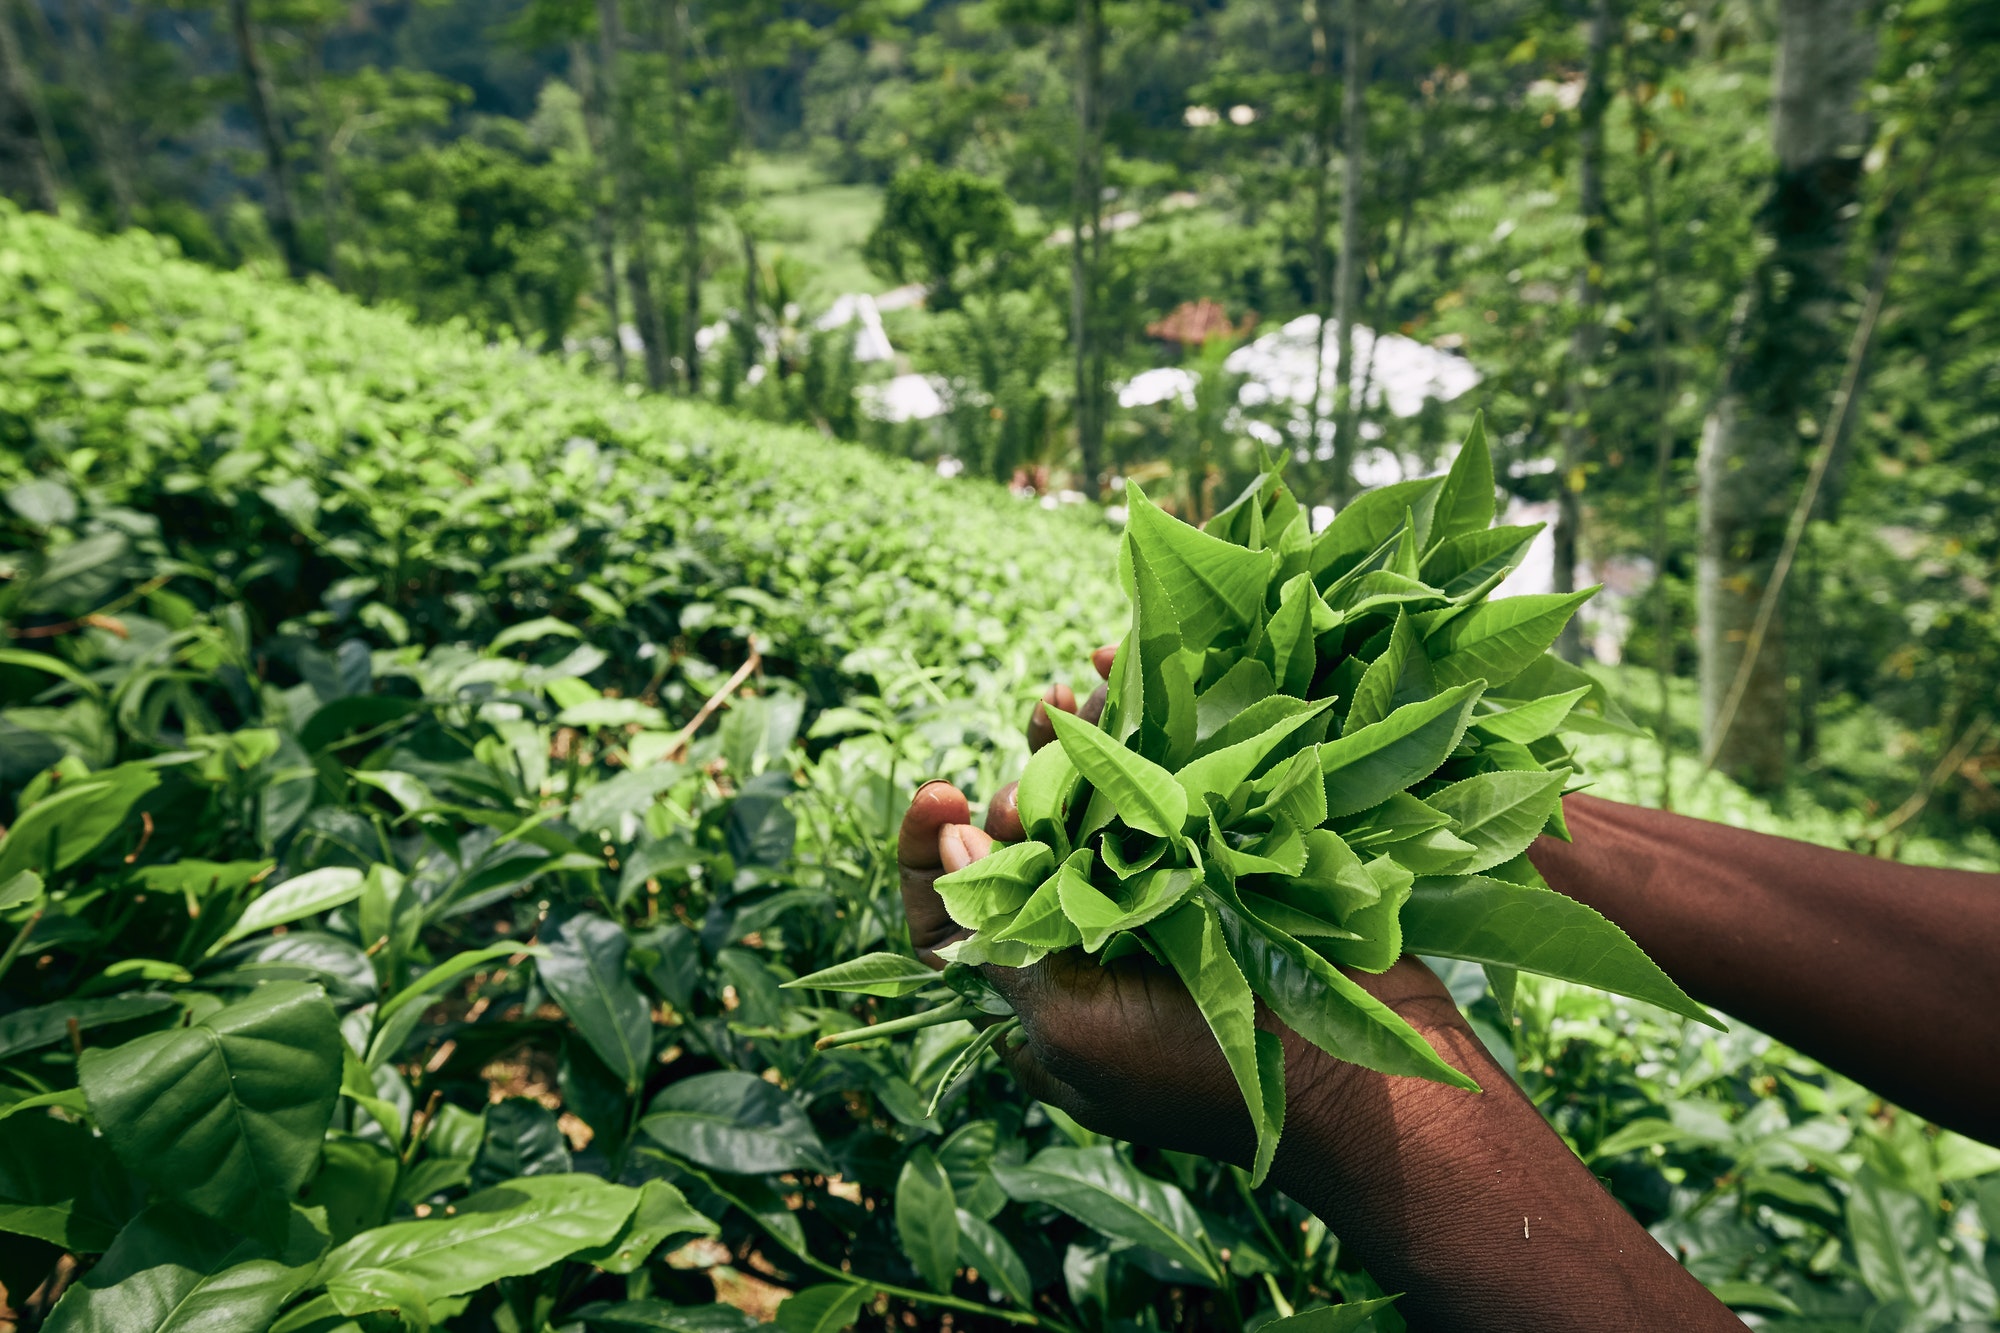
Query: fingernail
point(959, 845)
point(934, 782)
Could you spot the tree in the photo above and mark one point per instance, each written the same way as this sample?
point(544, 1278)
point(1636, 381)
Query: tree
point(1587, 342)
point(942, 227)
point(1347, 275)
point(1783, 347)
point(627, 199)
point(24, 120)
point(1086, 243)
point(281, 206)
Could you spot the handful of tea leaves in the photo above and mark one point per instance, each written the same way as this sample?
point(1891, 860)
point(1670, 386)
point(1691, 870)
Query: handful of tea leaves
point(1315, 750)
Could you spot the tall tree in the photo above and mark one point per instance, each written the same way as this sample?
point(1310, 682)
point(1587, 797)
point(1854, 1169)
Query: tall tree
point(1347, 275)
point(1783, 348)
point(1322, 167)
point(1587, 342)
point(281, 207)
point(688, 203)
point(24, 120)
point(627, 200)
point(603, 227)
point(110, 137)
point(1085, 245)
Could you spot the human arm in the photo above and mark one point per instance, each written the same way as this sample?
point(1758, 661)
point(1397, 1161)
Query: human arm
point(1888, 973)
point(1468, 1203)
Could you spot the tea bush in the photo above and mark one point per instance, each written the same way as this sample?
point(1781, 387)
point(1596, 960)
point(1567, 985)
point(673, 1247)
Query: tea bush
point(424, 764)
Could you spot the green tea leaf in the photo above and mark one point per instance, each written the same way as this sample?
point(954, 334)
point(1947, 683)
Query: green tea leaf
point(1347, 1317)
point(1499, 813)
point(1465, 502)
point(826, 1308)
point(1191, 938)
point(1497, 641)
point(1459, 564)
point(1221, 772)
point(1042, 799)
point(1368, 766)
point(1246, 683)
point(1217, 588)
point(1530, 722)
point(24, 887)
point(1105, 1192)
point(1378, 924)
point(227, 1114)
point(1537, 930)
point(993, 888)
point(302, 896)
point(584, 970)
point(1097, 917)
point(1319, 1002)
point(173, 1271)
point(1146, 796)
point(734, 1121)
point(1370, 520)
point(60, 1183)
point(1041, 924)
point(889, 975)
point(981, 1246)
point(927, 1218)
point(1400, 676)
point(45, 1024)
point(510, 1230)
point(61, 829)
point(1287, 646)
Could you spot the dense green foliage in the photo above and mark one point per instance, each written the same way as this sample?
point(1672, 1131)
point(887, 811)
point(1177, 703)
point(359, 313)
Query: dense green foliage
point(362, 847)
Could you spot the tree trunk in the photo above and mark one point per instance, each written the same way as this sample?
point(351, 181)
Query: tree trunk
point(24, 121)
point(1322, 165)
point(604, 230)
point(1588, 341)
point(1347, 277)
point(1086, 205)
point(263, 100)
point(626, 200)
point(690, 171)
point(104, 125)
point(1783, 343)
point(1663, 436)
point(332, 189)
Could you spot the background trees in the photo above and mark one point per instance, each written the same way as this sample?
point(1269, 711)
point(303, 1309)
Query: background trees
point(1654, 230)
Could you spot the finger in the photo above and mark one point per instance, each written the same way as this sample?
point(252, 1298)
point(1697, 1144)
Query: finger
point(935, 807)
point(1003, 815)
point(1103, 658)
point(959, 845)
point(1093, 707)
point(1040, 730)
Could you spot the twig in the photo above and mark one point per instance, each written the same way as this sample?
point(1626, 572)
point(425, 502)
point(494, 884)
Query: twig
point(1838, 413)
point(1918, 799)
point(102, 613)
point(678, 749)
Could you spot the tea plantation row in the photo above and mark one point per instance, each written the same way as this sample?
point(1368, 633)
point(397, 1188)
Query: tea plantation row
point(385, 947)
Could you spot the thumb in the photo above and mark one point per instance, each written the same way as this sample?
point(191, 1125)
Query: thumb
point(919, 861)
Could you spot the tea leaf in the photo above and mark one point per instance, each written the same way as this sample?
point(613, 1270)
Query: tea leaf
point(1367, 767)
point(1145, 795)
point(1536, 930)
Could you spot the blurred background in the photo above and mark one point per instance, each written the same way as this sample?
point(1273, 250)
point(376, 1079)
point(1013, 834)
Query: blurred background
point(1721, 275)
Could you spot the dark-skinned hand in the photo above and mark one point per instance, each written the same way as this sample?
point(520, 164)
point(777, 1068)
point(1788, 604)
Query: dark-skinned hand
point(1120, 1047)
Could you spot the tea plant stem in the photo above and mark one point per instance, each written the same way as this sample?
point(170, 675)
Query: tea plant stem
point(14, 949)
point(1024, 1317)
point(678, 749)
point(929, 1018)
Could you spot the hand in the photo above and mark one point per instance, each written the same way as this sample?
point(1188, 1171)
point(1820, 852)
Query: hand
point(1122, 1048)
point(1425, 1182)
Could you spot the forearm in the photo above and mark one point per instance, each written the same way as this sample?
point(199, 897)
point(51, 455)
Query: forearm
point(1888, 973)
point(1471, 1205)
